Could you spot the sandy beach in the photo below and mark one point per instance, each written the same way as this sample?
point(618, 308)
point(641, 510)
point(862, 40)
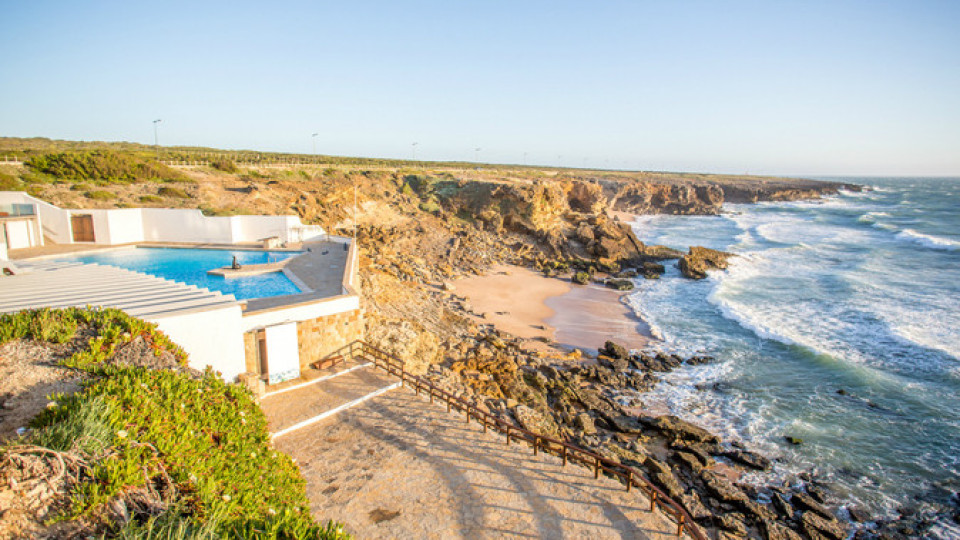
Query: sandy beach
point(529, 305)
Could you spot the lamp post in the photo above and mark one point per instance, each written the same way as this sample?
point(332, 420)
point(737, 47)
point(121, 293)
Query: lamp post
point(156, 140)
point(476, 155)
point(413, 146)
point(314, 139)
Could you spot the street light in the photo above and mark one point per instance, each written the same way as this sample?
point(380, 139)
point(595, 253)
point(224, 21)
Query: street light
point(314, 139)
point(156, 140)
point(414, 147)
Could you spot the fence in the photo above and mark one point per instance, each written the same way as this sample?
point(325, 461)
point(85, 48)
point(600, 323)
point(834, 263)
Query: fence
point(629, 476)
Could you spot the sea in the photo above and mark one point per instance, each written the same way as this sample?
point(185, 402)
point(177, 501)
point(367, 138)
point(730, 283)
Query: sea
point(838, 323)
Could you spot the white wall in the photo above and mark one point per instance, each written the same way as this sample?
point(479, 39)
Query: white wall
point(283, 352)
point(303, 312)
point(3, 249)
point(127, 225)
point(55, 221)
point(20, 234)
point(211, 338)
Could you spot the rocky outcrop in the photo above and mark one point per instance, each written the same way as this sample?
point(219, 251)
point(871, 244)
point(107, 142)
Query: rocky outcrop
point(699, 260)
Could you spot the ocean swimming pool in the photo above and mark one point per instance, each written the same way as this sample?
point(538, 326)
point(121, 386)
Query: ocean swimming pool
point(190, 266)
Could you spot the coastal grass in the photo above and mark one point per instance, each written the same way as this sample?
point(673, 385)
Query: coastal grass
point(199, 445)
point(104, 166)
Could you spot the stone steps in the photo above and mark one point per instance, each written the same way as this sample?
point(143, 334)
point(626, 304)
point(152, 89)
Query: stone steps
point(297, 407)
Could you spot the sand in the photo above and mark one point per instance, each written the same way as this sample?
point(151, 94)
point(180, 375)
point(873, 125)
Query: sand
point(529, 305)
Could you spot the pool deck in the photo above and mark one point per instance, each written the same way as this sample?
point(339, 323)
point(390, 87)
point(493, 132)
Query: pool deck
point(318, 272)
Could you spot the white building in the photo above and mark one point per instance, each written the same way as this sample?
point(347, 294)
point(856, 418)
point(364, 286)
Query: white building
point(270, 339)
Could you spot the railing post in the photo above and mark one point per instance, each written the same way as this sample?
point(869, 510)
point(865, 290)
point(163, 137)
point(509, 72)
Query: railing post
point(448, 403)
point(629, 479)
point(653, 501)
point(679, 525)
point(564, 452)
point(536, 440)
point(596, 469)
point(508, 434)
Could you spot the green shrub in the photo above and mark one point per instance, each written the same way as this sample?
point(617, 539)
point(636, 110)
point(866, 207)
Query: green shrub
point(139, 428)
point(105, 165)
point(224, 165)
point(99, 195)
point(150, 199)
point(173, 192)
point(81, 187)
point(430, 207)
point(9, 182)
point(54, 326)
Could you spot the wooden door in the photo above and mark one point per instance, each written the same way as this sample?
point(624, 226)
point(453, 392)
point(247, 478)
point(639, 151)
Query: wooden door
point(82, 228)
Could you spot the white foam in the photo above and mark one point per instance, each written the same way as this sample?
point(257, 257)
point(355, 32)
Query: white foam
point(929, 240)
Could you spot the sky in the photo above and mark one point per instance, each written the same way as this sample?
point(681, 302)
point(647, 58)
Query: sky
point(793, 87)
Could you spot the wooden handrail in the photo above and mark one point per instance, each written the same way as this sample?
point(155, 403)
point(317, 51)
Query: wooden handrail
point(567, 452)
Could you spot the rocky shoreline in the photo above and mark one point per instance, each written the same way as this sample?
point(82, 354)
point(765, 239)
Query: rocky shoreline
point(594, 402)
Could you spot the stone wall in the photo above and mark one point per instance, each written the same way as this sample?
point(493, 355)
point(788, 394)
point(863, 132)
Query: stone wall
point(322, 336)
point(316, 338)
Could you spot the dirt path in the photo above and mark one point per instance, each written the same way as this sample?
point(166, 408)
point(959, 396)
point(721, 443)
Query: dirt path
point(398, 466)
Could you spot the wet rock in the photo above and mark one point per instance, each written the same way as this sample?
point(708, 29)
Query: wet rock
point(699, 360)
point(669, 484)
point(691, 501)
point(723, 490)
point(858, 514)
point(806, 502)
point(689, 461)
point(734, 523)
point(652, 268)
point(750, 459)
point(816, 526)
point(699, 450)
point(619, 284)
point(613, 350)
point(674, 427)
point(623, 423)
point(699, 260)
point(796, 441)
point(627, 274)
point(783, 506)
point(775, 531)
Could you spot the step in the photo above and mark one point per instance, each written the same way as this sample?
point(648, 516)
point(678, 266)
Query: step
point(303, 405)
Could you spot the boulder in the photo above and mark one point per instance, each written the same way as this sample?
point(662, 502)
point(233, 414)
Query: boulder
point(614, 350)
point(733, 522)
point(689, 461)
point(775, 531)
point(699, 260)
point(750, 459)
point(724, 491)
point(581, 278)
point(806, 502)
point(532, 420)
point(619, 284)
point(815, 526)
point(674, 427)
point(623, 423)
point(584, 422)
point(691, 501)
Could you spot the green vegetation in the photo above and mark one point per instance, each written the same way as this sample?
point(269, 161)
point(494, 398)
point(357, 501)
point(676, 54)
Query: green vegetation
point(173, 192)
point(99, 195)
point(9, 182)
point(198, 440)
point(150, 199)
point(224, 165)
point(103, 166)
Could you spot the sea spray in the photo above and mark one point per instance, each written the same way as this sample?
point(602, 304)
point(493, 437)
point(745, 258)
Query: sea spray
point(839, 323)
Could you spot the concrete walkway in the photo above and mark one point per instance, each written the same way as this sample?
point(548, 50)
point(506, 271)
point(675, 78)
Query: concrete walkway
point(398, 466)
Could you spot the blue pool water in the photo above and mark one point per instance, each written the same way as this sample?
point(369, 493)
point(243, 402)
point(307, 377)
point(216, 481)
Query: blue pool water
point(190, 266)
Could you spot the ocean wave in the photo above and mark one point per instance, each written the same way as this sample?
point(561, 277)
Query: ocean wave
point(929, 240)
point(871, 217)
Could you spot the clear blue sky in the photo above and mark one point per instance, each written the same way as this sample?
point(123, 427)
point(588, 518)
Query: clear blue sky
point(799, 87)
